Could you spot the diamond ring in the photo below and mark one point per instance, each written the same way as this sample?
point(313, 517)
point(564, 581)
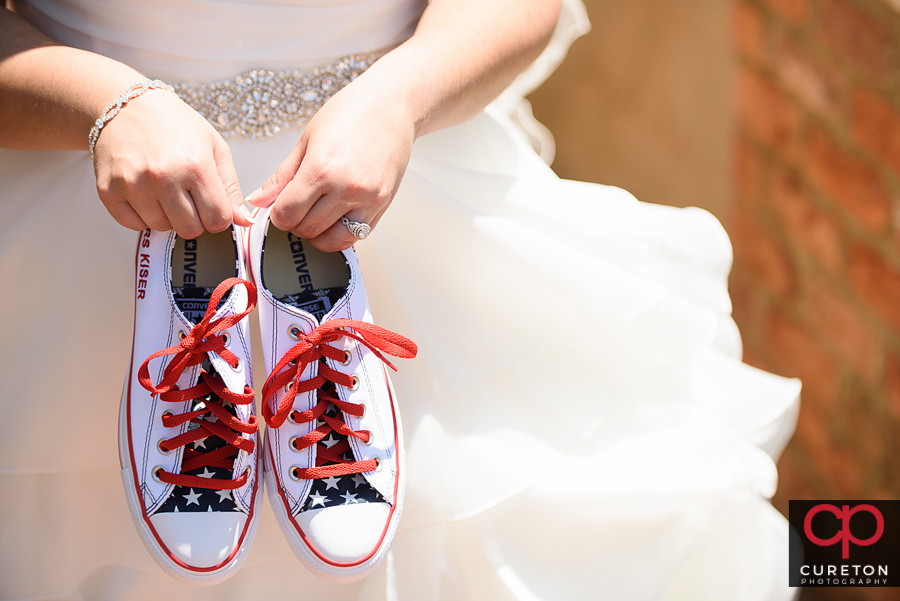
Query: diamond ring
point(359, 230)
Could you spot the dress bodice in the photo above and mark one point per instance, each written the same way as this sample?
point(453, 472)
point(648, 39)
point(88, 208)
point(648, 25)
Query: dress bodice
point(201, 40)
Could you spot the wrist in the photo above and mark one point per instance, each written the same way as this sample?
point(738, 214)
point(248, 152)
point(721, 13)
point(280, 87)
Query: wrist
point(112, 109)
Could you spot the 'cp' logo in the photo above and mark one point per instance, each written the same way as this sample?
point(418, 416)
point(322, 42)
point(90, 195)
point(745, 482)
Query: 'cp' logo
point(844, 514)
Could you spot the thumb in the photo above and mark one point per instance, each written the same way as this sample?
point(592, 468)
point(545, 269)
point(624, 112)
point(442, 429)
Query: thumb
point(266, 194)
point(240, 215)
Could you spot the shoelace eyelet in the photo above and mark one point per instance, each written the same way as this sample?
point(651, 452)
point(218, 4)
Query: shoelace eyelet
point(354, 385)
point(226, 338)
point(292, 417)
point(181, 335)
point(371, 439)
point(161, 449)
point(377, 464)
point(155, 473)
point(294, 331)
point(293, 443)
point(288, 386)
point(236, 368)
point(295, 473)
point(165, 414)
point(347, 359)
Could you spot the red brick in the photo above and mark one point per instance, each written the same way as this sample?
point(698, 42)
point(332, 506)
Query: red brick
point(749, 32)
point(839, 324)
point(818, 84)
point(836, 464)
point(852, 183)
point(765, 258)
point(800, 355)
point(892, 383)
point(769, 114)
point(856, 34)
point(794, 11)
point(795, 482)
point(876, 126)
point(807, 225)
point(749, 172)
point(877, 283)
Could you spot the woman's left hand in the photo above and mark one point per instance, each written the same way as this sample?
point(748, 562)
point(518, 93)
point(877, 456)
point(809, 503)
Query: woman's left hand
point(349, 162)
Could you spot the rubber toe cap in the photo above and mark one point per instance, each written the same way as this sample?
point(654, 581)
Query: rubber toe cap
point(200, 539)
point(345, 533)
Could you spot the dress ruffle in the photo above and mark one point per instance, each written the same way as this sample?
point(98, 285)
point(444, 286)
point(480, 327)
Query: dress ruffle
point(578, 422)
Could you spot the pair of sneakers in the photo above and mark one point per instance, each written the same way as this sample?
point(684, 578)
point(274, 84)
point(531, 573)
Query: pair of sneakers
point(193, 460)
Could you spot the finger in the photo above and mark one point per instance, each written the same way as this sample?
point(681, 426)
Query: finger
point(265, 195)
point(307, 189)
point(148, 207)
point(225, 168)
point(124, 214)
point(210, 199)
point(338, 236)
point(322, 214)
point(180, 208)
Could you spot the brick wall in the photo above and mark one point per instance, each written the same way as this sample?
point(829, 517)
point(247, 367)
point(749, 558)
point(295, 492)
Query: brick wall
point(816, 230)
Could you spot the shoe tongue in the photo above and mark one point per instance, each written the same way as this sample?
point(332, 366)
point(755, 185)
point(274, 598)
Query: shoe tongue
point(315, 302)
point(193, 302)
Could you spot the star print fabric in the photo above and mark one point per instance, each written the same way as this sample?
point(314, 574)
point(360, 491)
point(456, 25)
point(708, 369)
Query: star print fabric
point(339, 490)
point(186, 498)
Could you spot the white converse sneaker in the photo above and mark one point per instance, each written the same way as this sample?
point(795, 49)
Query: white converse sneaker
point(334, 446)
point(188, 443)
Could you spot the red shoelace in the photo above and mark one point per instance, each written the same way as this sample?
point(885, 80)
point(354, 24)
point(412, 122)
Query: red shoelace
point(309, 349)
point(194, 349)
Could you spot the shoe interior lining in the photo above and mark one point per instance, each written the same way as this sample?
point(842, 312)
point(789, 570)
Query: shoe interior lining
point(297, 273)
point(198, 266)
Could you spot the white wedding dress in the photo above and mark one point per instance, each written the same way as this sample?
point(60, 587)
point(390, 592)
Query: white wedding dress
point(579, 425)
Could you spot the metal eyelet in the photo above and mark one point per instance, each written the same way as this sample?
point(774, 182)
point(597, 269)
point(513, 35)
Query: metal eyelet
point(354, 383)
point(236, 368)
point(162, 450)
point(165, 414)
point(291, 417)
point(295, 473)
point(181, 335)
point(378, 462)
point(371, 439)
point(226, 337)
point(155, 473)
point(347, 359)
point(294, 331)
point(294, 446)
point(247, 471)
point(288, 386)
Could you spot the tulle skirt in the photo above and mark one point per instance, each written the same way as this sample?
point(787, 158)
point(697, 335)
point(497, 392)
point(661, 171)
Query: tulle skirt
point(578, 422)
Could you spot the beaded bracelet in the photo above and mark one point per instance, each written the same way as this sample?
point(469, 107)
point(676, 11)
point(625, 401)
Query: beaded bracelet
point(113, 109)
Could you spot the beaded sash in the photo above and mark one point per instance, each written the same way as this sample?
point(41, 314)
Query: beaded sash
point(259, 103)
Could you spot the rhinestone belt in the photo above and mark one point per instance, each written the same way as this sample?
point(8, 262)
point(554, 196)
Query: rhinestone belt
point(259, 102)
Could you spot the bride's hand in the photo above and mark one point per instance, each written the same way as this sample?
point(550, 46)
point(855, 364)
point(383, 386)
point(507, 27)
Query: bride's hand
point(159, 164)
point(349, 162)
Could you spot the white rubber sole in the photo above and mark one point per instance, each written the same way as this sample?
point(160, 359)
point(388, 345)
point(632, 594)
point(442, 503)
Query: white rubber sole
point(307, 556)
point(168, 565)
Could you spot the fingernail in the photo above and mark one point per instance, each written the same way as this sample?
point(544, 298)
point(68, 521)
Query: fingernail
point(250, 197)
point(246, 212)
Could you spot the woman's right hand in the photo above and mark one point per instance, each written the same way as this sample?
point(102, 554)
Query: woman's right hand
point(160, 164)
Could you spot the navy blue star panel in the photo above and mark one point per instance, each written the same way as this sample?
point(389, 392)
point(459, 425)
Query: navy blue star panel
point(339, 490)
point(185, 498)
point(193, 302)
point(316, 302)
